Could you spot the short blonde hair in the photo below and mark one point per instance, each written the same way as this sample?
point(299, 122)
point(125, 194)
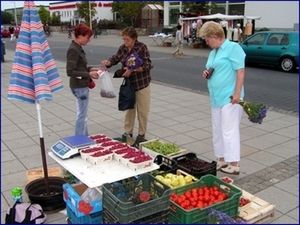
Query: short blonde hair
point(210, 29)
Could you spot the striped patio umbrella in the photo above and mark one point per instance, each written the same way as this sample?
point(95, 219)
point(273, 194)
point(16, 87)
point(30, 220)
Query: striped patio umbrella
point(34, 76)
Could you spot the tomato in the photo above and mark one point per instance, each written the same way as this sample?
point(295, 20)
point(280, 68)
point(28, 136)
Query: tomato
point(200, 191)
point(195, 194)
point(206, 198)
point(188, 194)
point(200, 204)
point(216, 193)
point(194, 203)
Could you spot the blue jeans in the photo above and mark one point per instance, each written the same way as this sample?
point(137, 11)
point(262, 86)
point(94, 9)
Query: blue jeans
point(82, 96)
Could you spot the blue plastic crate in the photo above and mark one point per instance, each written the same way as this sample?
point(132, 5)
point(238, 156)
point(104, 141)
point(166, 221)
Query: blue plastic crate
point(72, 198)
point(94, 218)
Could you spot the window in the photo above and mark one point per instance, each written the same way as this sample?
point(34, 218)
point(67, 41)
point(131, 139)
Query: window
point(258, 39)
point(278, 39)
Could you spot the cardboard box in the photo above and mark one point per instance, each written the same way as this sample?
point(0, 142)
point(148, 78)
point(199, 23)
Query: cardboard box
point(72, 197)
point(34, 174)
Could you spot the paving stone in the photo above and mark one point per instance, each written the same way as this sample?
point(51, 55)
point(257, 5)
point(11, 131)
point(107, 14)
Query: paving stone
point(7, 156)
point(11, 167)
point(285, 220)
point(294, 214)
point(284, 201)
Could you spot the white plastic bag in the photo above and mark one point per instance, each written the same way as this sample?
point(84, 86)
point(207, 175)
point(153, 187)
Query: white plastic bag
point(91, 194)
point(106, 87)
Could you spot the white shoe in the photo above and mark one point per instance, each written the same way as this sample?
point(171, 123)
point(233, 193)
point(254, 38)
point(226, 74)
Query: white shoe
point(221, 164)
point(230, 169)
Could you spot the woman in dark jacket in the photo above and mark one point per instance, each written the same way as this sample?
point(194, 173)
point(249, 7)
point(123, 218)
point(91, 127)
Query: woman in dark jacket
point(139, 78)
point(80, 75)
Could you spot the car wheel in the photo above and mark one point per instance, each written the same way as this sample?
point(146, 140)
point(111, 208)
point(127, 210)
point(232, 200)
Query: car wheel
point(287, 64)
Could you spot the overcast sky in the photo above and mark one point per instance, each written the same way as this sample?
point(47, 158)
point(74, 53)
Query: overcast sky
point(11, 4)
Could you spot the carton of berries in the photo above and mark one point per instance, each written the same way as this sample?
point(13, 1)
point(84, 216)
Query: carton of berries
point(140, 162)
point(100, 157)
point(118, 154)
point(130, 155)
point(86, 152)
point(118, 146)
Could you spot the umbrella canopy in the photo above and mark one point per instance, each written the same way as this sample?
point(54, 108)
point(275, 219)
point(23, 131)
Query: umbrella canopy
point(34, 75)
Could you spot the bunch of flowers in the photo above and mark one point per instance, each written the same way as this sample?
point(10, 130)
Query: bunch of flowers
point(133, 61)
point(256, 111)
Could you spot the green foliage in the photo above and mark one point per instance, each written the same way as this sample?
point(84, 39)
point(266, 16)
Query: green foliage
point(44, 15)
point(128, 11)
point(7, 18)
point(107, 24)
point(84, 12)
point(55, 20)
point(198, 7)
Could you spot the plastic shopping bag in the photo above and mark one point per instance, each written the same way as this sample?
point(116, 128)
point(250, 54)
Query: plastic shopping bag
point(106, 87)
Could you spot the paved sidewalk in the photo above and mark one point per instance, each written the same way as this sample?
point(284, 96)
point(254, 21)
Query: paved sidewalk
point(269, 163)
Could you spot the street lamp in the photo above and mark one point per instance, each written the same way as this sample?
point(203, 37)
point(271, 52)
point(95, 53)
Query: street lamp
point(16, 19)
point(90, 15)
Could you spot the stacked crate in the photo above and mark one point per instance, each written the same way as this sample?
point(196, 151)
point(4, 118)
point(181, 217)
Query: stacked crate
point(179, 215)
point(122, 204)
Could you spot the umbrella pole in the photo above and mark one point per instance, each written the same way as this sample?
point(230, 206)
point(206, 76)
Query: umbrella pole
point(42, 145)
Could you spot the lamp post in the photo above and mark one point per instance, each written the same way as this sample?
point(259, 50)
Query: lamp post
point(90, 15)
point(16, 19)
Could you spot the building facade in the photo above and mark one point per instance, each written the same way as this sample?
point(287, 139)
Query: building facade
point(68, 10)
point(274, 14)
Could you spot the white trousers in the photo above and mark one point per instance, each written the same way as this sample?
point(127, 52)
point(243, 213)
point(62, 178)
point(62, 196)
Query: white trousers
point(226, 131)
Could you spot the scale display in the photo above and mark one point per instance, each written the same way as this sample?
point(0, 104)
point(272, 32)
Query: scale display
point(69, 146)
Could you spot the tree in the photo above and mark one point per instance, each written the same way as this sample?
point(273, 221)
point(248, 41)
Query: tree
point(128, 11)
point(84, 12)
point(44, 15)
point(199, 8)
point(55, 20)
point(7, 18)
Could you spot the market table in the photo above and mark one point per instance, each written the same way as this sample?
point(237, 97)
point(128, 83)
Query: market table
point(96, 175)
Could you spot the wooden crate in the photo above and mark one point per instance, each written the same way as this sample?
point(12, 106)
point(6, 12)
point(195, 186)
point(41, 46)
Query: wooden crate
point(257, 211)
point(39, 173)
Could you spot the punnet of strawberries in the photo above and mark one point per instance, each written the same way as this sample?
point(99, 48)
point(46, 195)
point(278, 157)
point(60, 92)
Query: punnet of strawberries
point(117, 146)
point(97, 136)
point(200, 197)
point(102, 153)
point(139, 159)
point(124, 151)
point(90, 150)
point(133, 154)
point(103, 140)
point(109, 143)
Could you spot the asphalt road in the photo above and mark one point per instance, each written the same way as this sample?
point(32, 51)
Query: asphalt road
point(278, 90)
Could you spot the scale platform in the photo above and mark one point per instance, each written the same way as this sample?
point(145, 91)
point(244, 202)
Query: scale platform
point(69, 146)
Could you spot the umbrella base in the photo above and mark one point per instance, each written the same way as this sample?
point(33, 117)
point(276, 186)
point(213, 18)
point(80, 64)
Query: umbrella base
point(52, 201)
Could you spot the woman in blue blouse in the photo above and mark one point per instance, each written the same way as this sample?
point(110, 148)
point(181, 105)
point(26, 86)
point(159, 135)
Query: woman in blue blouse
point(225, 71)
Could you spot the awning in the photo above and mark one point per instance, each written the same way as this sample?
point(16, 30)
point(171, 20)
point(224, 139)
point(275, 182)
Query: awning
point(222, 17)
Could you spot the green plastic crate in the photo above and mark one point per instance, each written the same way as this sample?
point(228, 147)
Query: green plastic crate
point(229, 206)
point(117, 195)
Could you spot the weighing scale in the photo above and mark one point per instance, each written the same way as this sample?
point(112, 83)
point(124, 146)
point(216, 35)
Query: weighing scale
point(69, 146)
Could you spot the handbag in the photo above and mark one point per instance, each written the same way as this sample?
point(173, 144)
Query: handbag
point(126, 96)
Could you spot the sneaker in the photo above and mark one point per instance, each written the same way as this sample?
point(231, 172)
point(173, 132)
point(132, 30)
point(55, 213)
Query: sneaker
point(230, 169)
point(221, 164)
point(138, 140)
